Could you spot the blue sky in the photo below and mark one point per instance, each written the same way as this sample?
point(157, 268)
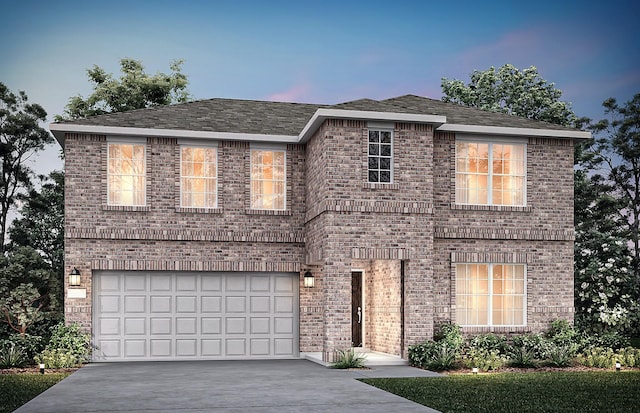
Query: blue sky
point(322, 51)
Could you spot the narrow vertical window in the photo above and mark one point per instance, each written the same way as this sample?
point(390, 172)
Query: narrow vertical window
point(490, 294)
point(490, 173)
point(126, 174)
point(268, 179)
point(380, 156)
point(198, 177)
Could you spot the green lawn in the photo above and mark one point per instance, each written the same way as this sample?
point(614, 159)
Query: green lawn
point(606, 391)
point(17, 389)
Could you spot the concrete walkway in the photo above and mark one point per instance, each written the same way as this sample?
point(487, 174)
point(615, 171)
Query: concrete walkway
point(223, 386)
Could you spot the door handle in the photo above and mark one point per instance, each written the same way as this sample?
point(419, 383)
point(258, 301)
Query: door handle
point(359, 315)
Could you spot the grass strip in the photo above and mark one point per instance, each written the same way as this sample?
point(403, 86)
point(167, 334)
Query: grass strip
point(565, 392)
point(17, 389)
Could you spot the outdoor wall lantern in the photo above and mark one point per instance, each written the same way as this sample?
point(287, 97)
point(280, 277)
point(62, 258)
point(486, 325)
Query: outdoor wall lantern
point(309, 280)
point(74, 277)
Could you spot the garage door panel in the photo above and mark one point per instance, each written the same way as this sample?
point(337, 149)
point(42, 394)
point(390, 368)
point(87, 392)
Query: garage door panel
point(160, 283)
point(135, 304)
point(109, 304)
point(211, 304)
point(186, 283)
point(160, 325)
point(134, 283)
point(160, 304)
point(135, 348)
point(160, 348)
point(135, 326)
point(186, 304)
point(186, 325)
point(166, 316)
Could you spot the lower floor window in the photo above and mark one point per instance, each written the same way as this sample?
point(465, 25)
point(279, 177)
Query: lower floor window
point(490, 294)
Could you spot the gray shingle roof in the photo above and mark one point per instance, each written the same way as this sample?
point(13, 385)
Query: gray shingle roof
point(279, 118)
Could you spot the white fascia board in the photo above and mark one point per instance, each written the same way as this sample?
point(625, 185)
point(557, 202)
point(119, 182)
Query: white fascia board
point(507, 131)
point(59, 129)
point(324, 113)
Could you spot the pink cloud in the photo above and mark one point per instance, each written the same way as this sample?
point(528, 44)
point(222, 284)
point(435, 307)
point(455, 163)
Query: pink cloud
point(297, 93)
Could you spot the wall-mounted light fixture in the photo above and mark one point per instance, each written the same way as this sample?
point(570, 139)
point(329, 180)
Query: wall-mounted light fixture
point(74, 277)
point(309, 280)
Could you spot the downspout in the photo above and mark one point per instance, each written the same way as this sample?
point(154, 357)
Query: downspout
point(401, 308)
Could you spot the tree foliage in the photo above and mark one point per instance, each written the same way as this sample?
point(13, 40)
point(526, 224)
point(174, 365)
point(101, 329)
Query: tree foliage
point(607, 217)
point(509, 90)
point(21, 136)
point(135, 89)
point(41, 224)
point(28, 289)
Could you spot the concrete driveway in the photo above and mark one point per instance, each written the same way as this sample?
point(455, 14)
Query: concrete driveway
point(223, 386)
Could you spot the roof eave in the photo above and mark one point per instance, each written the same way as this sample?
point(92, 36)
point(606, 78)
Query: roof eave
point(512, 131)
point(59, 130)
point(323, 114)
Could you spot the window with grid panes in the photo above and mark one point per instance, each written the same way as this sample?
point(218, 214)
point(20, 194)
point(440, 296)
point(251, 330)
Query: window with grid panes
point(198, 177)
point(380, 156)
point(127, 174)
point(268, 179)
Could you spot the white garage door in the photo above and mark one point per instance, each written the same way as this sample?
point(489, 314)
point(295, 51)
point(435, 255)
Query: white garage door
point(194, 316)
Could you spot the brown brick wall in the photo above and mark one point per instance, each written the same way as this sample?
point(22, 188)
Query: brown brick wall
point(335, 221)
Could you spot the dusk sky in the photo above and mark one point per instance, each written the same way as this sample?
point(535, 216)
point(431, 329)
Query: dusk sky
point(321, 51)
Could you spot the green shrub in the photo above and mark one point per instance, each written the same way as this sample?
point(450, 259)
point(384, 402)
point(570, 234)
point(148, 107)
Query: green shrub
point(598, 357)
point(612, 340)
point(433, 355)
point(451, 334)
point(629, 357)
point(349, 359)
point(488, 341)
point(526, 349)
point(57, 358)
point(484, 359)
point(30, 345)
point(11, 355)
point(561, 355)
point(562, 333)
point(70, 339)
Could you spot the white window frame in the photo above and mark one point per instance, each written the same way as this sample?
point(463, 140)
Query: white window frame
point(132, 142)
point(268, 148)
point(372, 128)
point(491, 295)
point(215, 148)
point(491, 142)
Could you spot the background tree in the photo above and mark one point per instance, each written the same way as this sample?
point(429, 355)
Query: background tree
point(21, 136)
point(41, 222)
point(135, 89)
point(508, 90)
point(610, 213)
point(29, 289)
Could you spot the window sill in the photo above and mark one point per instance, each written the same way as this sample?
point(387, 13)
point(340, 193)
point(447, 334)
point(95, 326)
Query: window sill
point(495, 329)
point(199, 210)
point(127, 208)
point(378, 185)
point(280, 212)
point(500, 208)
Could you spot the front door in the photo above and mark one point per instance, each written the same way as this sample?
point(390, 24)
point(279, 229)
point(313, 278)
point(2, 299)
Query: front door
point(357, 310)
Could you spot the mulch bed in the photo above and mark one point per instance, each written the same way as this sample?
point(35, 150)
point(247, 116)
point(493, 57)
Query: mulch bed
point(535, 370)
point(36, 369)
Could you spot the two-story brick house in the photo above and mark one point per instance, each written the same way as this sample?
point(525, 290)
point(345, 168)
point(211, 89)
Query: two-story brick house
point(194, 226)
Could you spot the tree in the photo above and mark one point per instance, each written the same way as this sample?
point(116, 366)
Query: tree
point(134, 90)
point(28, 289)
point(21, 136)
point(521, 93)
point(607, 220)
point(41, 225)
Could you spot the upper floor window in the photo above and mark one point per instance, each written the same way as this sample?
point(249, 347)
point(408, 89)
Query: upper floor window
point(490, 173)
point(490, 294)
point(198, 177)
point(268, 179)
point(380, 156)
point(127, 179)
